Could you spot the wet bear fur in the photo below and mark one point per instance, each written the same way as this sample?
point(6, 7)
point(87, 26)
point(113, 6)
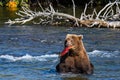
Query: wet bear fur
point(76, 59)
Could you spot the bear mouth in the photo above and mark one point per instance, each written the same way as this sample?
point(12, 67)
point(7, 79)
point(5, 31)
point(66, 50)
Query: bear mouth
point(65, 50)
point(68, 44)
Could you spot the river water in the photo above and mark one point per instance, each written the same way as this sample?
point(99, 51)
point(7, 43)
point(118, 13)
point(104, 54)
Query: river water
point(30, 52)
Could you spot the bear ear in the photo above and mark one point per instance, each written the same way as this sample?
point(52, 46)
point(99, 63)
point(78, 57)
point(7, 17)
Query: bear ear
point(69, 35)
point(80, 37)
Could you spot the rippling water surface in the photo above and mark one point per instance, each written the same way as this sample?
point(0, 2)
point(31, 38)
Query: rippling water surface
point(31, 52)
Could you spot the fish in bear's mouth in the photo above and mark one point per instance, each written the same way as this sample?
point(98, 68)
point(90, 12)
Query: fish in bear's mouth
point(68, 46)
point(65, 50)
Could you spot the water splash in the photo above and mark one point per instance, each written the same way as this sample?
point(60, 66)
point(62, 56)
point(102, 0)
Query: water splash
point(108, 54)
point(27, 57)
point(46, 57)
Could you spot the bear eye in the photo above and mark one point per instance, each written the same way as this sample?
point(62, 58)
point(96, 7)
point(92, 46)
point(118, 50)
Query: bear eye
point(70, 39)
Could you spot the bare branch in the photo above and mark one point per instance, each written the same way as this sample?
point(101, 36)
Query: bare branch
point(73, 8)
point(106, 17)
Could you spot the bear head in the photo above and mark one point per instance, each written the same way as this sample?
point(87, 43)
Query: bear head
point(73, 40)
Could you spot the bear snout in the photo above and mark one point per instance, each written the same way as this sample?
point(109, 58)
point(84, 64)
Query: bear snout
point(68, 42)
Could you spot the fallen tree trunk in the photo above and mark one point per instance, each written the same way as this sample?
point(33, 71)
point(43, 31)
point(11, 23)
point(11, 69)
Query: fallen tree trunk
point(106, 17)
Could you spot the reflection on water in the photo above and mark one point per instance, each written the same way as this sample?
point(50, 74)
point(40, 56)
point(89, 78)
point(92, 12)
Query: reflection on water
point(75, 78)
point(6, 14)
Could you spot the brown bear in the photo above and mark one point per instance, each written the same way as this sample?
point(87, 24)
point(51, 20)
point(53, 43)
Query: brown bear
point(74, 57)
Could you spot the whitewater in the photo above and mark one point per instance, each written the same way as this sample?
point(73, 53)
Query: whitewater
point(46, 57)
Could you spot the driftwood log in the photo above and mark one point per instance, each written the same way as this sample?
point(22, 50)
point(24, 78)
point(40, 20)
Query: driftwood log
point(107, 17)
